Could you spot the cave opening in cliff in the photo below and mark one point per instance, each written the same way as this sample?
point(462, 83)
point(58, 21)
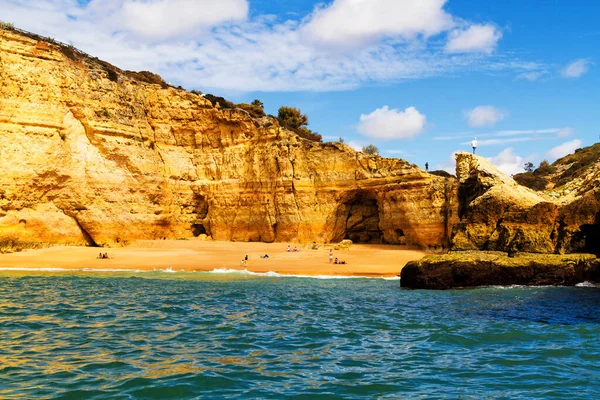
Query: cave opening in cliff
point(358, 220)
point(591, 238)
point(198, 229)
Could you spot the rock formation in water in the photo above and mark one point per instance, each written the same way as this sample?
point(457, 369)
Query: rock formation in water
point(477, 268)
point(92, 155)
point(498, 214)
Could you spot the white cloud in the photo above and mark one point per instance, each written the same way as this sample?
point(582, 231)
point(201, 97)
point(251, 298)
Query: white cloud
point(223, 50)
point(508, 162)
point(476, 38)
point(532, 75)
point(493, 142)
point(384, 123)
point(484, 116)
point(395, 152)
point(563, 149)
point(565, 132)
point(161, 19)
point(356, 22)
point(576, 69)
point(560, 132)
point(449, 166)
point(356, 145)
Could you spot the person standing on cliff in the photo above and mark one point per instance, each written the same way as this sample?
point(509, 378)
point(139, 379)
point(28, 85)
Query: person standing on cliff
point(426, 166)
point(474, 144)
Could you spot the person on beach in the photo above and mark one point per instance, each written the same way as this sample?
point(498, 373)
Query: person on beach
point(296, 249)
point(246, 258)
point(289, 249)
point(330, 256)
point(336, 261)
point(100, 256)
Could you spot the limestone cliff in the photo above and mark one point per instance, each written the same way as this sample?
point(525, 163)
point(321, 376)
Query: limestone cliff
point(496, 213)
point(94, 155)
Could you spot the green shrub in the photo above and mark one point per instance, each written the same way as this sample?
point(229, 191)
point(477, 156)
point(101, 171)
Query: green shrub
point(223, 103)
point(291, 117)
point(545, 169)
point(252, 109)
point(370, 150)
point(7, 25)
point(530, 180)
point(528, 167)
point(306, 133)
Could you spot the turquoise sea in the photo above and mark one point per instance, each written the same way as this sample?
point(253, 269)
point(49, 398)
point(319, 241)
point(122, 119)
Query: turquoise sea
point(199, 335)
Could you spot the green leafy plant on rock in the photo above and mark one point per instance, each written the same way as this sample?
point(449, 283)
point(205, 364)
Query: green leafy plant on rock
point(293, 119)
point(371, 150)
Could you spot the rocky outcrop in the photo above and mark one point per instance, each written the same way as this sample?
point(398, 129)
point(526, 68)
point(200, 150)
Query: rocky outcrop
point(496, 213)
point(477, 268)
point(92, 155)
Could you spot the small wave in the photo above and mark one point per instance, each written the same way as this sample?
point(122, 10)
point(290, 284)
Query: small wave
point(35, 269)
point(112, 270)
point(587, 284)
point(229, 271)
point(515, 286)
point(273, 274)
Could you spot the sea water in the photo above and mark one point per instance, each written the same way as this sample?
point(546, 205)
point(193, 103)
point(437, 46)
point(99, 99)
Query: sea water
point(198, 335)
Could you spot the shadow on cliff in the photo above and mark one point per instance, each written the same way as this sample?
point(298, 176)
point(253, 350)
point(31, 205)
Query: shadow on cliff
point(357, 219)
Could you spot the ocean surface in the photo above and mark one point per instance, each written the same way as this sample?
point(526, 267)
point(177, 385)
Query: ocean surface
point(157, 335)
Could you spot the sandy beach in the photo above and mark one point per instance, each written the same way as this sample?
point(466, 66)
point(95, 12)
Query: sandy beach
point(184, 255)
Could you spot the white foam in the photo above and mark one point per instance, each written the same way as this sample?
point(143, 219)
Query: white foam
point(273, 274)
point(112, 270)
point(35, 269)
point(244, 272)
point(515, 286)
point(229, 271)
point(587, 284)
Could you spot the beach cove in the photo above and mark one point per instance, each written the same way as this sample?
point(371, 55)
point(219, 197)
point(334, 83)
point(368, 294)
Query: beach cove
point(382, 261)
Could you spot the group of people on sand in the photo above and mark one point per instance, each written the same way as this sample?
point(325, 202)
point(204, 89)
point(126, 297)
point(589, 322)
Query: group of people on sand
point(336, 261)
point(289, 249)
point(103, 256)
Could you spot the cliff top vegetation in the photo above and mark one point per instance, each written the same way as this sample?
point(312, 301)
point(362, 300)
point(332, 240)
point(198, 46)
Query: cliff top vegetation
point(562, 171)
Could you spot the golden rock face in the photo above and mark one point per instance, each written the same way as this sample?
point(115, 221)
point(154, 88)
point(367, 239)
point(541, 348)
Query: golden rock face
point(92, 155)
point(496, 213)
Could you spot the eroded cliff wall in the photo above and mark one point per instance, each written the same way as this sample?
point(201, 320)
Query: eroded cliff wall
point(91, 155)
point(496, 213)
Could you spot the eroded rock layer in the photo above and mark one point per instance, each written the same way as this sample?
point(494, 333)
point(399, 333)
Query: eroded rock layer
point(92, 155)
point(496, 213)
point(477, 268)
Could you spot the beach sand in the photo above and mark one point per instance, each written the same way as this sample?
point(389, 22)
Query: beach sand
point(194, 255)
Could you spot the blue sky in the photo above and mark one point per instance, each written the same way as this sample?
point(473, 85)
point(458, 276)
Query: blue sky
point(417, 78)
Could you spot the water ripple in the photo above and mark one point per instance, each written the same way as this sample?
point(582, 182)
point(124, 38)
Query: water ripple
point(165, 336)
